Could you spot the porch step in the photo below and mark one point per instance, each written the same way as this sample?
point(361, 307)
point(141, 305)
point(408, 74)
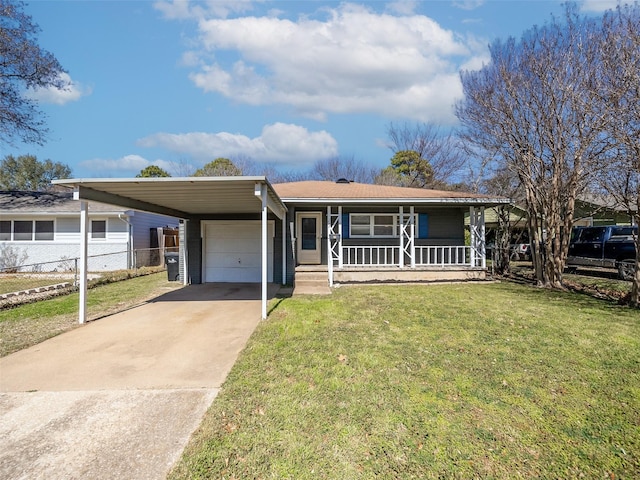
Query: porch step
point(311, 283)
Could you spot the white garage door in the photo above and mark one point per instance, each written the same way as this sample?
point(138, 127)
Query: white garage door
point(232, 251)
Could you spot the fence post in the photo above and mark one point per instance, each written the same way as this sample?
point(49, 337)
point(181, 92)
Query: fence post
point(75, 273)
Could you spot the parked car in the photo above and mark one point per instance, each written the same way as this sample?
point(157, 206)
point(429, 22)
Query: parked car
point(520, 251)
point(610, 246)
point(517, 251)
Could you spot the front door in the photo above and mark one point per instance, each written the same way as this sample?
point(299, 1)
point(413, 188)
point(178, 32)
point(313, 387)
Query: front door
point(309, 238)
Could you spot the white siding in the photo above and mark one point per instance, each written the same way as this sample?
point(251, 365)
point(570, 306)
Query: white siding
point(58, 256)
point(66, 244)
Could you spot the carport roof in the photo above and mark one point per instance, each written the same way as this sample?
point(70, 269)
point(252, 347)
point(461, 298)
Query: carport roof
point(181, 197)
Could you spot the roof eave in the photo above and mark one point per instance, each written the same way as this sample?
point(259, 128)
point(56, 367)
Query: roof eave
point(387, 201)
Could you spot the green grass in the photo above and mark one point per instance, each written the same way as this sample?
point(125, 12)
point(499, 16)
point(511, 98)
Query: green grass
point(16, 282)
point(439, 381)
point(599, 282)
point(32, 323)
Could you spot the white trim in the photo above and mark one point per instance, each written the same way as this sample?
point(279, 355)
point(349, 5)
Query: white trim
point(264, 249)
point(329, 245)
point(284, 251)
point(372, 224)
point(305, 257)
point(83, 262)
point(397, 201)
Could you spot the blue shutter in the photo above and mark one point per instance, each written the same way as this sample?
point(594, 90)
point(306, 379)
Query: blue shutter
point(345, 225)
point(423, 225)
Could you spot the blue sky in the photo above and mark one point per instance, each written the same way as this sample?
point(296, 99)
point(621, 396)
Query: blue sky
point(279, 83)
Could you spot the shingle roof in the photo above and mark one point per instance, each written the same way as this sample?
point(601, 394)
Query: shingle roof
point(46, 203)
point(352, 192)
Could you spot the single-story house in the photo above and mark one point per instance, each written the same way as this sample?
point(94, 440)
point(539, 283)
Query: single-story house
point(244, 229)
point(43, 229)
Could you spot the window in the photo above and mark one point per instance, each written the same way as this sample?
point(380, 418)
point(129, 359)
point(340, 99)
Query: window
point(373, 225)
point(26, 230)
point(380, 225)
point(44, 230)
point(5, 230)
point(98, 229)
point(22, 230)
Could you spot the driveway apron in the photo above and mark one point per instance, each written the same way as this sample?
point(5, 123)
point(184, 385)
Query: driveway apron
point(119, 397)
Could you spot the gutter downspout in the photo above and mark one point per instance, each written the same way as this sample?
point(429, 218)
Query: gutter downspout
point(130, 259)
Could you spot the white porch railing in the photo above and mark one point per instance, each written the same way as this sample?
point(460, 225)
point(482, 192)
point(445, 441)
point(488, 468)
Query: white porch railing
point(443, 256)
point(377, 256)
point(370, 256)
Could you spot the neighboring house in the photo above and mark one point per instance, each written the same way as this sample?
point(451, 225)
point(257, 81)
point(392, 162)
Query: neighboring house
point(591, 211)
point(43, 228)
point(596, 210)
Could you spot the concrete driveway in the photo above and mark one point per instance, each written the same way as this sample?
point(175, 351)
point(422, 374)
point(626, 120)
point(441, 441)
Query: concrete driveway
point(119, 397)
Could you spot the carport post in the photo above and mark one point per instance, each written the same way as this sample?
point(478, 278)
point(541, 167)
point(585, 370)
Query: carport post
point(84, 220)
point(263, 194)
point(284, 250)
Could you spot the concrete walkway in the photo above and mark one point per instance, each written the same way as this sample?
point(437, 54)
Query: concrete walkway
point(120, 397)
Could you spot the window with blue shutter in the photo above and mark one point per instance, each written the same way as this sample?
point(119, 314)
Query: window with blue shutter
point(423, 225)
point(345, 225)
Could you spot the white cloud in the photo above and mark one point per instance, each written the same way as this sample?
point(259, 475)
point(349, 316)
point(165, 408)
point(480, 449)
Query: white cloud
point(184, 9)
point(70, 92)
point(402, 7)
point(280, 143)
point(468, 4)
point(598, 5)
point(352, 60)
point(128, 166)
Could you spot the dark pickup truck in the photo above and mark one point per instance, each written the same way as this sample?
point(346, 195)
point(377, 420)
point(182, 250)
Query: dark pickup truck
point(609, 246)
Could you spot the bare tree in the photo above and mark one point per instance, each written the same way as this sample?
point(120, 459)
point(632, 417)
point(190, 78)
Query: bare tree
point(181, 168)
point(343, 167)
point(532, 109)
point(619, 89)
point(23, 65)
point(533, 105)
point(440, 149)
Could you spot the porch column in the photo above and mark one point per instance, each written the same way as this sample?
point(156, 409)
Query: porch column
point(340, 227)
point(482, 239)
point(401, 226)
point(477, 230)
point(413, 236)
point(472, 235)
point(84, 221)
point(284, 250)
point(263, 194)
point(329, 249)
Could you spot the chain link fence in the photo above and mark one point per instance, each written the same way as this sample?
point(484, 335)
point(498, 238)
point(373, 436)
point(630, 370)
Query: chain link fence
point(29, 282)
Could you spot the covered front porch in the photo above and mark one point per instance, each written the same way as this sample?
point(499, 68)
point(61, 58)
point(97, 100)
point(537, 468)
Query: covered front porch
point(408, 260)
point(398, 248)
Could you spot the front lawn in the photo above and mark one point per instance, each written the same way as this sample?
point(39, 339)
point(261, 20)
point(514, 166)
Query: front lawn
point(433, 381)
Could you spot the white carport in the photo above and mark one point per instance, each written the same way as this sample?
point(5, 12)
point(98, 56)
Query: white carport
point(187, 199)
